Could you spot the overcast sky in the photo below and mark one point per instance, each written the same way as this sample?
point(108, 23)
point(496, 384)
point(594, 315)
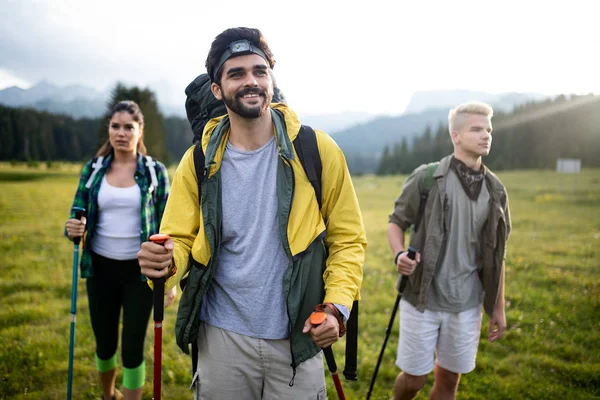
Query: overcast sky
point(332, 56)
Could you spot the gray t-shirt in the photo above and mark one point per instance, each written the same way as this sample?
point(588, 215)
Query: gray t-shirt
point(246, 294)
point(456, 285)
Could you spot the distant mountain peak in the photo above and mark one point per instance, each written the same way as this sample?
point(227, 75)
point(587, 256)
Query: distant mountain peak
point(75, 100)
point(43, 84)
point(13, 88)
point(428, 99)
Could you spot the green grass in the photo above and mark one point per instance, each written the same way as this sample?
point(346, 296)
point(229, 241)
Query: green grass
point(551, 349)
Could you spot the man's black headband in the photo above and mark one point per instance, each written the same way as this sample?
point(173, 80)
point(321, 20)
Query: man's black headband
point(239, 48)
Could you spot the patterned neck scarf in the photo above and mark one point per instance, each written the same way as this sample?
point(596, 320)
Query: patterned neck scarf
point(471, 180)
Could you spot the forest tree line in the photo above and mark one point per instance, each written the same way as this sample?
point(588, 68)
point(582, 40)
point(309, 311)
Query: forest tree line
point(534, 135)
point(31, 135)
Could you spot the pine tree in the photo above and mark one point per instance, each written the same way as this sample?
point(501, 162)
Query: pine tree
point(384, 162)
point(7, 133)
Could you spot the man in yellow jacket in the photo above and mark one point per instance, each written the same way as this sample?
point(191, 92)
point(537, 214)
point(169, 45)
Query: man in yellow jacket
point(258, 254)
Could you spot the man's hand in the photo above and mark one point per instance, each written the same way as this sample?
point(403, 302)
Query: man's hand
point(405, 265)
point(497, 323)
point(326, 334)
point(155, 259)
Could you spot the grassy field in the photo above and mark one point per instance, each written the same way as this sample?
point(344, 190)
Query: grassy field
point(551, 349)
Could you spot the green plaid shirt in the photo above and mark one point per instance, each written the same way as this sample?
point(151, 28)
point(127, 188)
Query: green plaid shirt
point(153, 204)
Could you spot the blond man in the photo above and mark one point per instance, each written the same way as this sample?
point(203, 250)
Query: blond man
point(462, 226)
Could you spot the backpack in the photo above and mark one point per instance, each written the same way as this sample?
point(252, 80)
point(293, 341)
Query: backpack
point(201, 106)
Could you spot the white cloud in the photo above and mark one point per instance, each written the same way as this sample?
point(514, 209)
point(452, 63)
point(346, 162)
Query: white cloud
point(331, 55)
point(8, 79)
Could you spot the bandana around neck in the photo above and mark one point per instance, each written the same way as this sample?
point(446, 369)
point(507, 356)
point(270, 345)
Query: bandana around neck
point(470, 180)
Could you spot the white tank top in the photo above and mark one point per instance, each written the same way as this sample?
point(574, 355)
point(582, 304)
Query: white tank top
point(117, 233)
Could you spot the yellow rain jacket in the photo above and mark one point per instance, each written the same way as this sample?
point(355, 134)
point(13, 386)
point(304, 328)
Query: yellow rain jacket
point(316, 273)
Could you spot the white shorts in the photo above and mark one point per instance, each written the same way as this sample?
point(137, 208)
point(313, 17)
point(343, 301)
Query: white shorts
point(452, 337)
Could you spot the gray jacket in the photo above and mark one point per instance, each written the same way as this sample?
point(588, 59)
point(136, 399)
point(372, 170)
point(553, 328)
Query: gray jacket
point(431, 237)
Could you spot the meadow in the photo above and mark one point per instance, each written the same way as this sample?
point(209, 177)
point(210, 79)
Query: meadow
point(551, 349)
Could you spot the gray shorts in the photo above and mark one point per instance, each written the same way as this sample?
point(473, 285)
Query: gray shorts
point(238, 367)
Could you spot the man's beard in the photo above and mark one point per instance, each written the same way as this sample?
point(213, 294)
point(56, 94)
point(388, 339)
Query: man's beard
point(235, 104)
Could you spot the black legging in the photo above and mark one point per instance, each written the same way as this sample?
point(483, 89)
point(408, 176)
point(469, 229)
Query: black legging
point(117, 284)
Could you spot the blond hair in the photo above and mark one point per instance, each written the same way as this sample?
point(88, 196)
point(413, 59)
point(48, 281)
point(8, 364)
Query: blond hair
point(456, 116)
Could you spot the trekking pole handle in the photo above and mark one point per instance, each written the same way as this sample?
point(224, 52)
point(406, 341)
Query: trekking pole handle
point(411, 253)
point(159, 283)
point(79, 212)
point(159, 238)
point(317, 318)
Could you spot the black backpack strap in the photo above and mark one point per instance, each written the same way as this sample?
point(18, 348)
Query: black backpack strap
point(194, 357)
point(350, 372)
point(199, 167)
point(308, 152)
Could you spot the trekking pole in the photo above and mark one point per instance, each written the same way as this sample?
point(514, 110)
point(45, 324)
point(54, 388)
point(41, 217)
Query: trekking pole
point(159, 305)
point(317, 318)
point(412, 252)
point(79, 212)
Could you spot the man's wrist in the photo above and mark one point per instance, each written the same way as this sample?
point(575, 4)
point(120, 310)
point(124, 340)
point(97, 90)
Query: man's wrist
point(329, 308)
point(343, 310)
point(398, 256)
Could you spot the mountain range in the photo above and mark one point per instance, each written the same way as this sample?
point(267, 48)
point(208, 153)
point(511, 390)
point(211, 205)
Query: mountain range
point(360, 135)
point(79, 101)
point(426, 109)
point(505, 102)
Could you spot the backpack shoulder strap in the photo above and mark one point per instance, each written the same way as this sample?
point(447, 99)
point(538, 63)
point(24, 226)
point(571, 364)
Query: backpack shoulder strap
point(151, 167)
point(308, 152)
point(306, 148)
point(428, 182)
point(199, 167)
point(96, 165)
point(350, 368)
